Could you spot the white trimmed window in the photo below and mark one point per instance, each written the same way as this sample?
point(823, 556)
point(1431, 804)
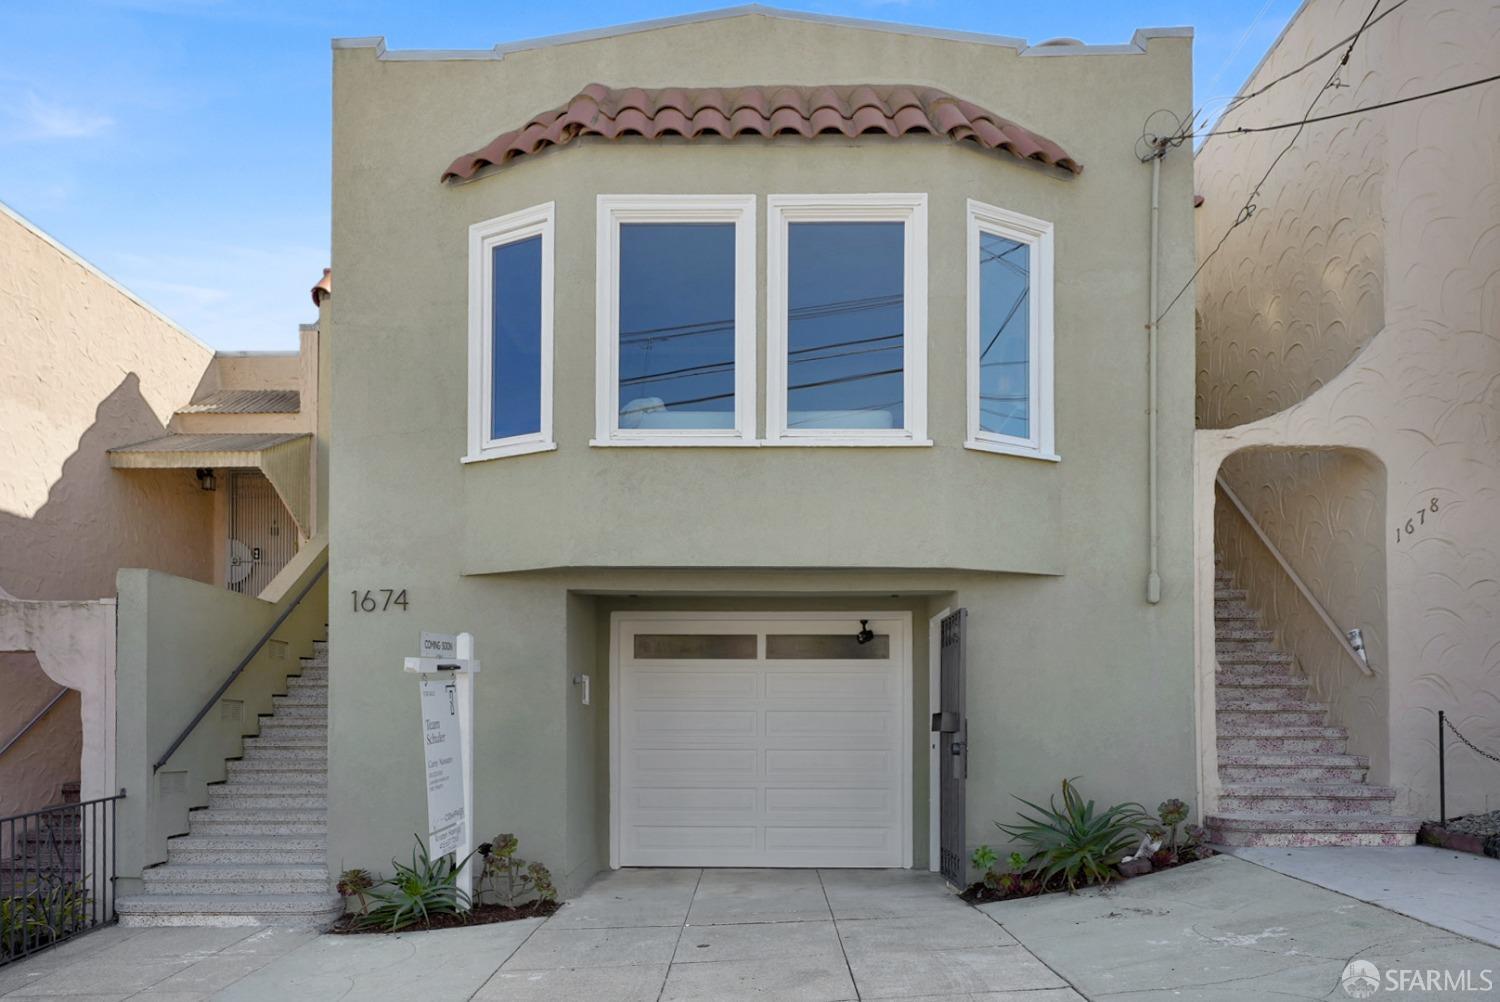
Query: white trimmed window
point(510, 334)
point(675, 303)
point(1009, 333)
point(846, 331)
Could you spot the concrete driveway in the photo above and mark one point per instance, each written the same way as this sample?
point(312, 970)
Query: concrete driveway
point(1220, 931)
point(632, 936)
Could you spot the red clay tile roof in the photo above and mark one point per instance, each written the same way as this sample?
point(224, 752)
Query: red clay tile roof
point(323, 288)
point(893, 110)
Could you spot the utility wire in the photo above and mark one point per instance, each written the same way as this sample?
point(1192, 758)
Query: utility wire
point(1240, 99)
point(1246, 129)
point(1248, 209)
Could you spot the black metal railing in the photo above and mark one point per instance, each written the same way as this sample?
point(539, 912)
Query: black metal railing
point(1444, 724)
point(286, 611)
point(57, 875)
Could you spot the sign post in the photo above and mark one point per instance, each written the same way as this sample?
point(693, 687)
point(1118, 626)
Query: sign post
point(447, 668)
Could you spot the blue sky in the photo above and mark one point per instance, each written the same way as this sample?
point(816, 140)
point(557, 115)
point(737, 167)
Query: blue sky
point(182, 145)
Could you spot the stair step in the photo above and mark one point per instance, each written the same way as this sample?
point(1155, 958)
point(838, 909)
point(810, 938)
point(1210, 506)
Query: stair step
point(1289, 690)
point(1251, 701)
point(1253, 657)
point(1234, 674)
point(294, 727)
point(1291, 767)
point(268, 796)
point(1306, 798)
point(299, 740)
point(225, 878)
point(301, 683)
point(1259, 829)
point(279, 770)
point(1230, 595)
point(307, 695)
point(206, 823)
point(311, 753)
point(242, 849)
point(285, 708)
point(1251, 738)
point(1234, 716)
point(301, 911)
point(257, 813)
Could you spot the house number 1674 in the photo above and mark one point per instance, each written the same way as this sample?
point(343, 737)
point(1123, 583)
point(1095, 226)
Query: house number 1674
point(378, 599)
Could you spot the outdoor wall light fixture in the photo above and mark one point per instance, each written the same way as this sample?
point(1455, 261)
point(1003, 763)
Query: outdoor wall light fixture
point(206, 479)
point(865, 634)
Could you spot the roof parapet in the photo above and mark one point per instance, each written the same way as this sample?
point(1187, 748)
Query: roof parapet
point(1135, 46)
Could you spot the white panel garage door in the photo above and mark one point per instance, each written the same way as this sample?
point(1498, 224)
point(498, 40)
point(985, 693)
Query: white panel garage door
point(760, 742)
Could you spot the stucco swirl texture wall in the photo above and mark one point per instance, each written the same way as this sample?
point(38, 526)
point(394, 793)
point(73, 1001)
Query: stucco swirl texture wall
point(1349, 332)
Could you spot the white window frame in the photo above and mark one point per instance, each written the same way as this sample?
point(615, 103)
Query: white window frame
point(907, 208)
point(539, 220)
point(614, 210)
point(1037, 234)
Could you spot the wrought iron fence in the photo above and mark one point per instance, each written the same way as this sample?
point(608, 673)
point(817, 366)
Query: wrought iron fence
point(57, 875)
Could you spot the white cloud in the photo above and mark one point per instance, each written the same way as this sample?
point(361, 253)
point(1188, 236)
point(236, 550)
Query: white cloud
point(35, 118)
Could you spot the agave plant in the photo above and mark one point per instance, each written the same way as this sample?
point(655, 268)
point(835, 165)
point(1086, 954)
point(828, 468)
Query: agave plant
point(417, 892)
point(1076, 842)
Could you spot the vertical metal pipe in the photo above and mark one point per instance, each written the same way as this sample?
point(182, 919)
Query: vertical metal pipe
point(113, 828)
point(1153, 579)
point(1442, 772)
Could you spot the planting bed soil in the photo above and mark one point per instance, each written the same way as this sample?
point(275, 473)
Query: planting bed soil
point(478, 915)
point(981, 893)
point(1476, 833)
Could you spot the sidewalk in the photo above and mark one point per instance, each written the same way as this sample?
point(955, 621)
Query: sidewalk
point(1223, 930)
point(1457, 891)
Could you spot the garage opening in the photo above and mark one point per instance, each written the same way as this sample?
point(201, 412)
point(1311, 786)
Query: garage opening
point(759, 740)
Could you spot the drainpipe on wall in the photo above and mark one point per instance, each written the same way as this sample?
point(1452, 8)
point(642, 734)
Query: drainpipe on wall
point(1153, 579)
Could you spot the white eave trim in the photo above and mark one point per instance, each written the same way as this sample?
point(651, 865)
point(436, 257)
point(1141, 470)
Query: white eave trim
point(1135, 46)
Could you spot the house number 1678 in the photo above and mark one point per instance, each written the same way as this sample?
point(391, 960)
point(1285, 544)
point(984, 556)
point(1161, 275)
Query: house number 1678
point(1416, 521)
point(378, 599)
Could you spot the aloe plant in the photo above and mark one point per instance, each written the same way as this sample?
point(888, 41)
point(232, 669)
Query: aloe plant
point(1076, 843)
point(417, 892)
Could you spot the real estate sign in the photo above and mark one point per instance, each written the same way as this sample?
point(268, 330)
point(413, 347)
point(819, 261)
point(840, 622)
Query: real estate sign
point(442, 743)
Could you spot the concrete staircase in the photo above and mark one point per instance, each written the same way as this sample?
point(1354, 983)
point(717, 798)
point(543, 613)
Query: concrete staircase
point(257, 854)
point(1285, 777)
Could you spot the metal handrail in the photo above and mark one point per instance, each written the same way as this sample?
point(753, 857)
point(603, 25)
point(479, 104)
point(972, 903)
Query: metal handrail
point(1312, 600)
point(244, 661)
point(62, 691)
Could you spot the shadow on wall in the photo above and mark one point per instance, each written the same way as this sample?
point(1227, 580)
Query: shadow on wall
point(33, 771)
point(97, 519)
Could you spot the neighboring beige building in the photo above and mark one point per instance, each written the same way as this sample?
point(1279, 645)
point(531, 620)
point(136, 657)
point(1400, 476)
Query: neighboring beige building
point(113, 424)
point(1347, 374)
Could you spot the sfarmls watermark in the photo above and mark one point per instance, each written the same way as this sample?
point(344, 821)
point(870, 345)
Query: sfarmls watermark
point(1362, 979)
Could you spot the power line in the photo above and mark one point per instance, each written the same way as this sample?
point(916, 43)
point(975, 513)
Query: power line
point(1240, 44)
point(1240, 99)
point(1246, 129)
point(1248, 209)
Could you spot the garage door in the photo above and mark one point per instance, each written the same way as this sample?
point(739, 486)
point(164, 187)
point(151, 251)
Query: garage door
point(760, 742)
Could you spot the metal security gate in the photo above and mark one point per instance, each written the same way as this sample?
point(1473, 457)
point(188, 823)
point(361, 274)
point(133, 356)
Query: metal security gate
point(262, 536)
point(952, 727)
